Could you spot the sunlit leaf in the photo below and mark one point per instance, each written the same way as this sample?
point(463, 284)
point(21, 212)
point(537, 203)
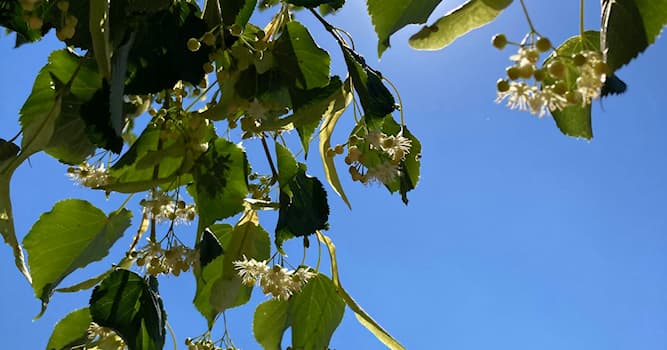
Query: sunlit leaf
point(362, 316)
point(210, 268)
point(575, 120)
point(391, 15)
point(313, 315)
point(71, 331)
point(270, 322)
point(219, 182)
point(469, 16)
point(132, 307)
point(341, 101)
point(70, 236)
point(410, 166)
point(248, 239)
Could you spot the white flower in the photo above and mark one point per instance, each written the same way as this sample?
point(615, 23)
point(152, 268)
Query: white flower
point(103, 338)
point(396, 146)
point(384, 173)
point(518, 95)
point(375, 138)
point(525, 56)
point(250, 270)
point(166, 209)
point(89, 175)
point(546, 100)
point(276, 280)
point(591, 80)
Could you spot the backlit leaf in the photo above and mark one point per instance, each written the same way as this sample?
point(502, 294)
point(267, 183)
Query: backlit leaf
point(70, 236)
point(391, 15)
point(71, 331)
point(469, 16)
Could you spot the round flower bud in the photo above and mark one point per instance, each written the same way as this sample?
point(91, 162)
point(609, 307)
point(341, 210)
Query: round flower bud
point(499, 41)
point(556, 69)
point(512, 72)
point(193, 44)
point(502, 85)
point(543, 44)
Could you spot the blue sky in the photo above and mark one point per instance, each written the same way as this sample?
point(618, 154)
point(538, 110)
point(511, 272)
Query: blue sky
point(517, 237)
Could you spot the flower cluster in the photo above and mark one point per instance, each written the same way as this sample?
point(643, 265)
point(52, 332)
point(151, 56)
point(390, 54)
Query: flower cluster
point(90, 176)
point(174, 260)
point(201, 344)
point(166, 209)
point(103, 338)
point(376, 156)
point(540, 89)
point(275, 280)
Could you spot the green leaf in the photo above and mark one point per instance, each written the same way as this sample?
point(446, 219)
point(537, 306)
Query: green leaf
point(335, 4)
point(99, 32)
point(316, 312)
point(70, 143)
point(7, 225)
point(313, 314)
point(210, 268)
point(219, 182)
point(575, 120)
point(50, 118)
point(131, 306)
point(70, 236)
point(391, 15)
point(410, 166)
point(629, 27)
point(299, 57)
point(287, 165)
point(469, 16)
point(237, 11)
point(376, 100)
point(270, 322)
point(71, 331)
point(303, 210)
point(248, 239)
point(158, 157)
point(310, 106)
point(125, 263)
point(362, 316)
point(342, 99)
point(8, 150)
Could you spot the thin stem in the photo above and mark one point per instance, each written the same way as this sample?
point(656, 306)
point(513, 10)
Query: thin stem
point(400, 102)
point(210, 86)
point(173, 335)
point(581, 19)
point(274, 172)
point(525, 12)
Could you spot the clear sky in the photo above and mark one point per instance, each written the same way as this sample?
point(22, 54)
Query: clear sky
point(516, 238)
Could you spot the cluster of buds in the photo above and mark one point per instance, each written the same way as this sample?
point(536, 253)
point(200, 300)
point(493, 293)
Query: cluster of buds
point(90, 175)
point(68, 22)
point(165, 208)
point(375, 156)
point(103, 338)
point(274, 280)
point(563, 81)
point(201, 344)
point(157, 260)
